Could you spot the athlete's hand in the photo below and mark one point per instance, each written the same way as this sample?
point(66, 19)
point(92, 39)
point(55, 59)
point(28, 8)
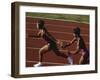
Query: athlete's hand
point(58, 41)
point(64, 44)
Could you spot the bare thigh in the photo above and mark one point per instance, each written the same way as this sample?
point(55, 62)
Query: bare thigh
point(44, 49)
point(84, 58)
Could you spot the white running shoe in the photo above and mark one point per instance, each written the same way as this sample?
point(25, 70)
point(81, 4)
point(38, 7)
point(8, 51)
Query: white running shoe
point(70, 58)
point(38, 64)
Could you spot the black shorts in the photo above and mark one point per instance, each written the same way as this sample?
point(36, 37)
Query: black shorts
point(53, 45)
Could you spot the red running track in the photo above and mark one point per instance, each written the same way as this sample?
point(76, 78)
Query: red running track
point(61, 30)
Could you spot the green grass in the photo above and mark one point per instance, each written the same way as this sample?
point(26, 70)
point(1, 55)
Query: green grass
point(70, 17)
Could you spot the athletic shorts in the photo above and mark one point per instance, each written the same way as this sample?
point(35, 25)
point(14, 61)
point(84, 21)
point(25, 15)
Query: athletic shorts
point(53, 45)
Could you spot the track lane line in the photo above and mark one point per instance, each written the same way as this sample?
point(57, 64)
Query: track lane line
point(45, 62)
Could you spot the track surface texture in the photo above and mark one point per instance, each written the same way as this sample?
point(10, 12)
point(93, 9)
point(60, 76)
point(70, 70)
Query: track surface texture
point(61, 30)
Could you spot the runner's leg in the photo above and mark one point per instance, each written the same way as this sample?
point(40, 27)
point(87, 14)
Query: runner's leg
point(64, 55)
point(42, 51)
point(70, 58)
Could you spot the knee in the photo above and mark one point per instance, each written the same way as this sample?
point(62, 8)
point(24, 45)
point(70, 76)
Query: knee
point(41, 51)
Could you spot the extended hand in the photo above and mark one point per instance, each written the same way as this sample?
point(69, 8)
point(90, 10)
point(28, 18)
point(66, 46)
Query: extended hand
point(58, 42)
point(64, 44)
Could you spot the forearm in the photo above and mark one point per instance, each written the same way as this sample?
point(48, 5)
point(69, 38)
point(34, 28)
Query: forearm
point(69, 43)
point(64, 45)
point(76, 52)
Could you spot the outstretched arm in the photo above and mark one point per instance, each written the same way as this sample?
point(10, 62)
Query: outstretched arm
point(78, 47)
point(73, 40)
point(70, 43)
